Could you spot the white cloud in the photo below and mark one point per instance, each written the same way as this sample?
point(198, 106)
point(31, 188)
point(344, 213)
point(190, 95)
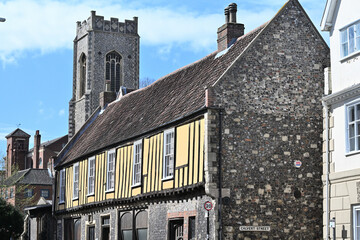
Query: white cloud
point(61, 112)
point(44, 26)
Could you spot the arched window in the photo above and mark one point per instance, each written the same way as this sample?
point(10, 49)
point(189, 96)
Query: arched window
point(113, 70)
point(141, 225)
point(126, 226)
point(82, 74)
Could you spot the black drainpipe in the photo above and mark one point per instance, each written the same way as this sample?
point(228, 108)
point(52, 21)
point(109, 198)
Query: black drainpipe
point(219, 174)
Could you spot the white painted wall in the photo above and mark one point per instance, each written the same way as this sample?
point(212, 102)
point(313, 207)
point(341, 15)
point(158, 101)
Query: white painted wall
point(345, 72)
point(340, 159)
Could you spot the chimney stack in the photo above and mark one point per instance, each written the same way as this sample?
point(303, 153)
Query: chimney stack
point(230, 31)
point(37, 140)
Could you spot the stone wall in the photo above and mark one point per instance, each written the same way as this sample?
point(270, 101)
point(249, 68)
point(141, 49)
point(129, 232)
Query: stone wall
point(271, 98)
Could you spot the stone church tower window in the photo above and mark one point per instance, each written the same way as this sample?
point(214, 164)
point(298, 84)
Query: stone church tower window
point(82, 74)
point(113, 71)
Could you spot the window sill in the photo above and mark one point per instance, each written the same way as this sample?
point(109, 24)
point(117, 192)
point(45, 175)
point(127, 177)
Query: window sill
point(352, 153)
point(167, 178)
point(348, 57)
point(60, 203)
point(77, 198)
point(110, 190)
point(136, 185)
point(90, 194)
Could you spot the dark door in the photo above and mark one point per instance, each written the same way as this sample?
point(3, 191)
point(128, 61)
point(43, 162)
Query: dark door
point(91, 233)
point(177, 229)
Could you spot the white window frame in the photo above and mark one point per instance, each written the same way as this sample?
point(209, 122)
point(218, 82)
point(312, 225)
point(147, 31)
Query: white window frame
point(91, 178)
point(355, 27)
point(356, 127)
point(355, 224)
point(76, 181)
point(43, 191)
point(168, 154)
point(137, 163)
point(62, 186)
point(110, 173)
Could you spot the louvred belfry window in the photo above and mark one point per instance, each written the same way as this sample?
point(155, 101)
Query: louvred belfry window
point(113, 70)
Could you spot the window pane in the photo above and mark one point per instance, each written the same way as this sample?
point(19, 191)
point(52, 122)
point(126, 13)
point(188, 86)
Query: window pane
point(127, 234)
point(142, 234)
point(351, 114)
point(351, 39)
point(352, 144)
point(351, 130)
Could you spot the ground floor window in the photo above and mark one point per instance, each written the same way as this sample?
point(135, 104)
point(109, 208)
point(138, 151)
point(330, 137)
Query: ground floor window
point(72, 229)
point(191, 231)
point(356, 222)
point(133, 225)
point(91, 233)
point(105, 228)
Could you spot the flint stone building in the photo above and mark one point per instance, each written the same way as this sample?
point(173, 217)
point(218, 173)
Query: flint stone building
point(237, 132)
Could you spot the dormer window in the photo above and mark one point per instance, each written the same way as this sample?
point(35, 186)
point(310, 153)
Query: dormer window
point(113, 71)
point(350, 39)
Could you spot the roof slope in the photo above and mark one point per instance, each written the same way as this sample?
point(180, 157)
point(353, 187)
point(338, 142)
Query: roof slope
point(29, 176)
point(17, 133)
point(171, 97)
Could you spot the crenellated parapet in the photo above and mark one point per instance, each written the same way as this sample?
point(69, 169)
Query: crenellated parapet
point(98, 23)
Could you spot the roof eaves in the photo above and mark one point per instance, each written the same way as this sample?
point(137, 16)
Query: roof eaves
point(328, 15)
point(73, 140)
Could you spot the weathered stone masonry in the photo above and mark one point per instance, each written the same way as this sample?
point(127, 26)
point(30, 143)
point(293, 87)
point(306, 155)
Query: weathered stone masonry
point(272, 117)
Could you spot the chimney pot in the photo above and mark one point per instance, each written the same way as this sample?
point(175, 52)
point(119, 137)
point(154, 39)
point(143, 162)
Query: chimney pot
point(233, 9)
point(227, 17)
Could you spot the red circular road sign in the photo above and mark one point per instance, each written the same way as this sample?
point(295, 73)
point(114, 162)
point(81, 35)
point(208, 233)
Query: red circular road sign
point(208, 205)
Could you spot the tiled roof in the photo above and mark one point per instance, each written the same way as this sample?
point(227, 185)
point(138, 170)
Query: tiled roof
point(17, 133)
point(48, 143)
point(29, 176)
point(171, 97)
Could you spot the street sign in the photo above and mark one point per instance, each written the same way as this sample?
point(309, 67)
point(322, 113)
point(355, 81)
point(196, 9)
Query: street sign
point(208, 205)
point(298, 164)
point(254, 228)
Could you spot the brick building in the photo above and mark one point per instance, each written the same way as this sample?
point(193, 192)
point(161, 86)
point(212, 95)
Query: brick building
point(237, 132)
point(30, 174)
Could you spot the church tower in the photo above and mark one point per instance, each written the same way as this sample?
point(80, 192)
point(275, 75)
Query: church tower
point(106, 59)
point(17, 149)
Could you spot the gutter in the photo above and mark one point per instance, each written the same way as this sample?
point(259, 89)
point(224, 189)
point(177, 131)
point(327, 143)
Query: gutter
point(327, 167)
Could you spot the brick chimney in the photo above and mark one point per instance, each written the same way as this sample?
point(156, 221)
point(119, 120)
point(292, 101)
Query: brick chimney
point(37, 140)
point(106, 96)
point(230, 31)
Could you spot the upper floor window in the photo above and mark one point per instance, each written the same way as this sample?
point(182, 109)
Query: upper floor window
point(137, 163)
point(29, 192)
point(350, 39)
point(353, 127)
point(91, 176)
point(76, 181)
point(168, 161)
point(62, 186)
point(45, 193)
point(82, 74)
point(113, 70)
point(110, 170)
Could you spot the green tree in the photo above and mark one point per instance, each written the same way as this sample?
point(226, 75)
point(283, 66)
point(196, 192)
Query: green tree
point(11, 221)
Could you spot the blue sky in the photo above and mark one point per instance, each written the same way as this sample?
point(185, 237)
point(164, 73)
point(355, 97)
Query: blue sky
point(37, 38)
